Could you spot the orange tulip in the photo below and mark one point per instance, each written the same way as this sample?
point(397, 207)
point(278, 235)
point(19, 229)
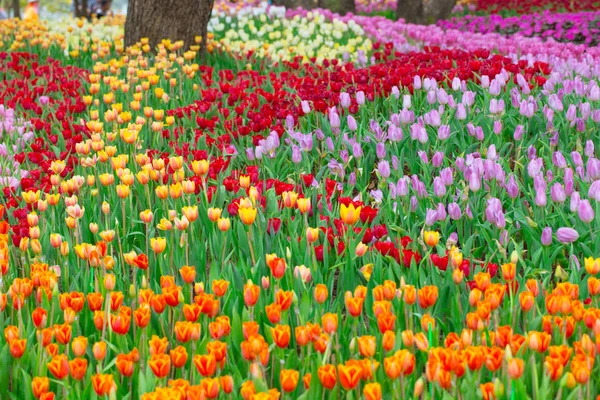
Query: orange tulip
point(188, 273)
point(59, 366)
point(321, 293)
point(538, 341)
point(226, 383)
point(527, 300)
point(392, 367)
point(251, 293)
point(516, 366)
point(428, 296)
point(350, 375)
point(509, 271)
point(284, 299)
point(39, 317)
point(494, 358)
point(141, 316)
point(487, 391)
point(179, 356)
point(219, 287)
point(289, 379)
point(158, 345)
point(281, 335)
point(553, 367)
point(211, 387)
point(388, 342)
point(62, 333)
point(367, 346)
point(354, 305)
point(327, 376)
point(329, 322)
point(103, 384)
point(410, 294)
point(160, 364)
point(247, 390)
point(99, 350)
point(39, 386)
point(386, 322)
point(17, 347)
point(273, 313)
point(125, 364)
point(372, 391)
point(349, 214)
point(277, 266)
point(474, 357)
point(205, 364)
point(78, 368)
point(79, 346)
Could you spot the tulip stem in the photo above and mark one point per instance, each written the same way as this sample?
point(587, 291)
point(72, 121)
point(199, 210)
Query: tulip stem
point(251, 247)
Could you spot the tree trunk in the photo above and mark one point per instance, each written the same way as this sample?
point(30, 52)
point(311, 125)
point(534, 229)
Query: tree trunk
point(413, 11)
point(16, 9)
point(436, 10)
point(81, 8)
point(341, 7)
point(167, 19)
point(292, 4)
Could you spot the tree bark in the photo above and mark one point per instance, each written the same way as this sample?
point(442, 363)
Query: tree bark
point(16, 9)
point(413, 11)
point(436, 10)
point(341, 7)
point(81, 8)
point(167, 19)
point(292, 4)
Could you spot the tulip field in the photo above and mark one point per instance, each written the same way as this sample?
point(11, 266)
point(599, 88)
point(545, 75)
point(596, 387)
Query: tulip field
point(320, 207)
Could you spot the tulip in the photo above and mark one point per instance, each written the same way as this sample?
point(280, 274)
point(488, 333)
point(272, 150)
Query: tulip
point(349, 214)
point(349, 375)
point(567, 235)
point(431, 238)
point(247, 215)
point(289, 379)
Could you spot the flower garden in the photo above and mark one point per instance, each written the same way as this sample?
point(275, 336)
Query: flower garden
point(320, 207)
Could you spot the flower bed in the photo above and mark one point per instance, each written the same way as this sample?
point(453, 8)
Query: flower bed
point(419, 222)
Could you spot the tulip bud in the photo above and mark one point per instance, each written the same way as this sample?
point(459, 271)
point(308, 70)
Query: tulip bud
point(64, 249)
point(361, 249)
point(352, 345)
point(132, 291)
point(199, 287)
point(568, 380)
point(514, 257)
point(560, 275)
point(265, 282)
point(144, 282)
point(109, 282)
point(498, 388)
point(105, 208)
point(419, 387)
point(288, 253)
point(36, 246)
point(93, 228)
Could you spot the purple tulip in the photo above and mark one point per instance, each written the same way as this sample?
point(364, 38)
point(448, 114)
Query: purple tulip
point(406, 101)
point(360, 97)
point(413, 203)
point(437, 159)
point(497, 127)
point(430, 217)
point(454, 211)
point(518, 135)
point(443, 132)
point(559, 160)
point(394, 133)
point(567, 235)
point(352, 125)
point(547, 236)
point(594, 190)
point(557, 193)
point(296, 154)
point(446, 175)
point(585, 211)
point(384, 169)
point(439, 189)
